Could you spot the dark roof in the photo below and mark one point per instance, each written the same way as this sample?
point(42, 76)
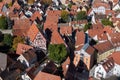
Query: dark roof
point(50, 68)
point(12, 75)
point(29, 55)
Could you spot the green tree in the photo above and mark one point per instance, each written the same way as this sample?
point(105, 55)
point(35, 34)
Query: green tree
point(87, 26)
point(81, 15)
point(106, 22)
point(47, 2)
point(17, 40)
point(57, 52)
point(8, 40)
point(69, 5)
point(3, 22)
point(64, 16)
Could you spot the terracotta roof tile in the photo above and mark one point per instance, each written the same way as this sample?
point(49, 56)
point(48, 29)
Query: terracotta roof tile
point(56, 38)
point(108, 64)
point(51, 25)
point(36, 15)
point(79, 47)
point(66, 30)
point(98, 25)
point(97, 5)
point(101, 35)
point(65, 65)
point(21, 26)
point(1, 6)
point(110, 12)
point(54, 12)
point(108, 29)
point(116, 57)
point(46, 76)
point(32, 32)
point(15, 5)
point(90, 50)
point(80, 38)
point(13, 15)
point(21, 48)
point(103, 47)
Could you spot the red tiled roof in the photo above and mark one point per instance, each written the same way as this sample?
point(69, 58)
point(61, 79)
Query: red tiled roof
point(116, 57)
point(56, 38)
point(1, 6)
point(50, 25)
point(65, 65)
point(16, 5)
point(79, 47)
point(32, 32)
point(13, 15)
point(46, 76)
point(80, 38)
point(21, 26)
point(114, 20)
point(54, 12)
point(21, 48)
point(97, 5)
point(90, 50)
point(99, 32)
point(110, 12)
point(108, 29)
point(36, 15)
point(66, 30)
point(98, 25)
point(103, 47)
point(108, 64)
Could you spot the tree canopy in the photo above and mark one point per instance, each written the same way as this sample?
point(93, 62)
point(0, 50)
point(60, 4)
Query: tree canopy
point(57, 52)
point(64, 16)
point(17, 40)
point(81, 15)
point(47, 2)
point(87, 26)
point(3, 22)
point(8, 40)
point(106, 22)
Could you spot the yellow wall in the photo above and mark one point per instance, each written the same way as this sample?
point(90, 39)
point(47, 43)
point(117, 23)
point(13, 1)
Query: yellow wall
point(104, 55)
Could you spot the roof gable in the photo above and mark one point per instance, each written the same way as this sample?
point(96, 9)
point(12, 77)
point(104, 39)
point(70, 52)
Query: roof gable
point(21, 48)
point(32, 32)
point(56, 38)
